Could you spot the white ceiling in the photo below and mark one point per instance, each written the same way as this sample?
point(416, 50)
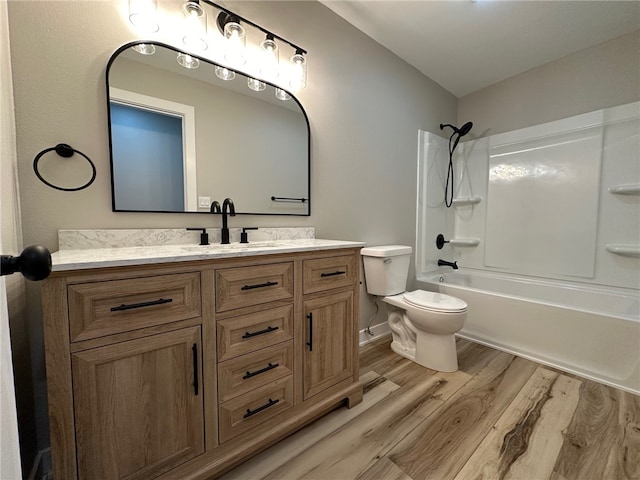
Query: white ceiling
point(466, 45)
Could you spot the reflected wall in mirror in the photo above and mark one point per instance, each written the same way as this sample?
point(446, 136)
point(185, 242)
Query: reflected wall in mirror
point(181, 138)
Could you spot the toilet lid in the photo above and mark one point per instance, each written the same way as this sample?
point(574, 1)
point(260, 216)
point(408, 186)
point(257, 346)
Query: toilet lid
point(436, 302)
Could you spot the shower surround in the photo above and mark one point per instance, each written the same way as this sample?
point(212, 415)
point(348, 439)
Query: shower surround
point(557, 203)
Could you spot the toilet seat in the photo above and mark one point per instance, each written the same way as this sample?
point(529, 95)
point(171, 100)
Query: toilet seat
point(435, 302)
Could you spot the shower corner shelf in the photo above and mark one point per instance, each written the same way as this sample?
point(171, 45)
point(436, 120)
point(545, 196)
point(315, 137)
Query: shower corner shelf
point(624, 250)
point(461, 201)
point(464, 242)
point(632, 189)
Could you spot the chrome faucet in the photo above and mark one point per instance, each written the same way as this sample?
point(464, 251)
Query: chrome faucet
point(227, 207)
point(444, 263)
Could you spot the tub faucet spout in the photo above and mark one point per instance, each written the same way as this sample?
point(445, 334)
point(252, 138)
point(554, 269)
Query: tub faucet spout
point(444, 263)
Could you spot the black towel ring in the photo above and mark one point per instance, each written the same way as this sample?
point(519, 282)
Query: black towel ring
point(65, 151)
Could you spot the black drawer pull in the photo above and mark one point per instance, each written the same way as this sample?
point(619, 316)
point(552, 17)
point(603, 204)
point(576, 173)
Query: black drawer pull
point(194, 349)
point(310, 342)
point(259, 285)
point(332, 274)
point(259, 409)
point(261, 332)
point(160, 301)
point(271, 366)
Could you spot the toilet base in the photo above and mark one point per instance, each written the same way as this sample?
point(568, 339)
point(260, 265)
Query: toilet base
point(434, 351)
point(437, 352)
point(406, 352)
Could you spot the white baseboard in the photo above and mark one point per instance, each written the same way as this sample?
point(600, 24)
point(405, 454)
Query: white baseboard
point(380, 330)
point(41, 469)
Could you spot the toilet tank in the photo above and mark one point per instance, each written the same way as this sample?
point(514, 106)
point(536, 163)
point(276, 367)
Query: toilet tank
point(386, 269)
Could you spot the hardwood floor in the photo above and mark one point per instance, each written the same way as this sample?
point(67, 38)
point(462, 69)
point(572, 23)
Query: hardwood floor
point(497, 417)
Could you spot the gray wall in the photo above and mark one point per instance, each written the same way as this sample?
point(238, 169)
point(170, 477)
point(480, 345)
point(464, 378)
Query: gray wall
point(598, 77)
point(365, 106)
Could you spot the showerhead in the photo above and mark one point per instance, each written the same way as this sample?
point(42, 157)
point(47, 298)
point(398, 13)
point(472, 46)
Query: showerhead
point(462, 131)
point(455, 137)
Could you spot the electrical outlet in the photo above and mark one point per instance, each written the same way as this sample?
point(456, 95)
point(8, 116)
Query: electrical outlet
point(204, 202)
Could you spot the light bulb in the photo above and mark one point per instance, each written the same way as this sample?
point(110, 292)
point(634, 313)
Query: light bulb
point(299, 71)
point(224, 73)
point(195, 26)
point(256, 85)
point(187, 61)
point(236, 40)
point(143, 15)
point(269, 67)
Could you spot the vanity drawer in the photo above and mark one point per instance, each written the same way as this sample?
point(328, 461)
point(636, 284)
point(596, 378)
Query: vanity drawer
point(245, 412)
point(253, 370)
point(98, 309)
point(247, 333)
point(331, 272)
point(246, 286)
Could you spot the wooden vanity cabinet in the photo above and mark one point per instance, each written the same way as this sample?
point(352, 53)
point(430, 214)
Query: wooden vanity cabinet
point(184, 370)
point(138, 405)
point(328, 357)
point(256, 384)
point(328, 285)
point(123, 354)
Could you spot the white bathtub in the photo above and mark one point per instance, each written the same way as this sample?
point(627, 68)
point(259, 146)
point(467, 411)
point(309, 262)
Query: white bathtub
point(589, 331)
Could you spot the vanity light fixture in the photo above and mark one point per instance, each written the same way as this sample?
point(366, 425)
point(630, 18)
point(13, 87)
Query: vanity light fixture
point(256, 85)
point(143, 14)
point(224, 73)
point(187, 61)
point(282, 95)
point(264, 67)
point(195, 26)
point(145, 48)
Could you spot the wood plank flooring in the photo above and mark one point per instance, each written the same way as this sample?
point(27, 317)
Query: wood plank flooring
point(498, 417)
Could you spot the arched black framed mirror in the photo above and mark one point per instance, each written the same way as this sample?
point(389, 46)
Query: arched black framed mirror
point(181, 138)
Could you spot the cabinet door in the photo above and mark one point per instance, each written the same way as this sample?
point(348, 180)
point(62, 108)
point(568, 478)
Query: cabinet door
point(328, 357)
point(139, 409)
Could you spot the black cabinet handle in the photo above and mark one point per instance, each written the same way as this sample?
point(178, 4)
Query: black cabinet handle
point(332, 274)
point(259, 409)
point(160, 301)
point(271, 366)
point(261, 332)
point(259, 285)
point(194, 349)
point(310, 342)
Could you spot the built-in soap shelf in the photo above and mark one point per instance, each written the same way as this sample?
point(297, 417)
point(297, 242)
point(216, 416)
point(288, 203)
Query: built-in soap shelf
point(461, 201)
point(464, 242)
point(631, 189)
point(624, 250)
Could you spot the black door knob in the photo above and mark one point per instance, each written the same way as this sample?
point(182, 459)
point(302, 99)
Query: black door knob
point(34, 263)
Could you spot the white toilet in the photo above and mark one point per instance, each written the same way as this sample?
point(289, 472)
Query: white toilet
point(422, 323)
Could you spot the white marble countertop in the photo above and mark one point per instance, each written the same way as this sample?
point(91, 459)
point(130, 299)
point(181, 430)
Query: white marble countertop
point(65, 260)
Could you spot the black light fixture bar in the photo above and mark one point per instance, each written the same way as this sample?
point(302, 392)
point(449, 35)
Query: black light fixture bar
point(255, 25)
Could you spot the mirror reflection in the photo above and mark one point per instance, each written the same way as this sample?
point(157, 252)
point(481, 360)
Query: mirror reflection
point(182, 138)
